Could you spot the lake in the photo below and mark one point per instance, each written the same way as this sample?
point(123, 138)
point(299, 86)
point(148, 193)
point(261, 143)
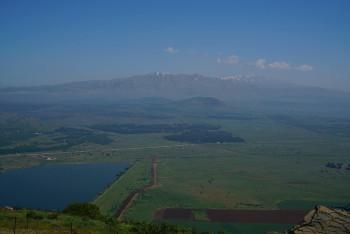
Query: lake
point(55, 186)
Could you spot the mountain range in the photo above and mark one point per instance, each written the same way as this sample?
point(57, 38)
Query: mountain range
point(253, 92)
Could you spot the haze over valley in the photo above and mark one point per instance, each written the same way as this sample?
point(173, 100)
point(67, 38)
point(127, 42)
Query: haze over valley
point(246, 129)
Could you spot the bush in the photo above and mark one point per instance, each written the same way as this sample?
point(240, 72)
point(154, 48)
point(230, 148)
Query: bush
point(52, 216)
point(84, 210)
point(34, 215)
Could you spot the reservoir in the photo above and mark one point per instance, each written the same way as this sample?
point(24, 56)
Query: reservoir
point(54, 186)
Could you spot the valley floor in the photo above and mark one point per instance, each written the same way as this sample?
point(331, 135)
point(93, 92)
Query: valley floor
point(279, 166)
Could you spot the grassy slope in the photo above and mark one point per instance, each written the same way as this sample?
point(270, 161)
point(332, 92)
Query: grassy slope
point(61, 224)
point(137, 176)
point(44, 222)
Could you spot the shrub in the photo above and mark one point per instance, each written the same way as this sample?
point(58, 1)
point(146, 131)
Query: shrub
point(52, 216)
point(34, 215)
point(83, 210)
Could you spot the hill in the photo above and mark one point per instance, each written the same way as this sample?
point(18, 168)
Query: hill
point(201, 101)
point(255, 93)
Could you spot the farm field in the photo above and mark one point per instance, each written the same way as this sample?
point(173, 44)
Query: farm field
point(266, 173)
point(111, 199)
point(282, 163)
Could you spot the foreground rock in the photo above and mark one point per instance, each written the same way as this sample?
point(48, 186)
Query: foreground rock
point(324, 220)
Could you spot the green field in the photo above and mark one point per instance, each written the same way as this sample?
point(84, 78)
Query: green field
point(136, 177)
point(281, 164)
point(277, 165)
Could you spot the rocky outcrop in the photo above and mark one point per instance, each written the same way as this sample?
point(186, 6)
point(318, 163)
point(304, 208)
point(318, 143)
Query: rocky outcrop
point(324, 220)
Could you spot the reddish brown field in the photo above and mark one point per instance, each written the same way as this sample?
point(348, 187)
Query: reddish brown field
point(257, 216)
point(240, 216)
point(174, 213)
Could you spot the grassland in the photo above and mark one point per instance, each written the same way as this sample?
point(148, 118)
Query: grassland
point(280, 165)
point(277, 164)
point(137, 176)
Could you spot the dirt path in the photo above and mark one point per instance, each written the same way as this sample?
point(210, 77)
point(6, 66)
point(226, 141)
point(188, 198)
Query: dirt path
point(133, 195)
point(154, 175)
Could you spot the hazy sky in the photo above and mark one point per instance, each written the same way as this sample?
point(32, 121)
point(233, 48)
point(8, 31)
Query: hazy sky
point(44, 42)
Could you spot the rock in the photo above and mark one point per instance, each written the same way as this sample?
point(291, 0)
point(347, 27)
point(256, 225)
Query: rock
point(324, 220)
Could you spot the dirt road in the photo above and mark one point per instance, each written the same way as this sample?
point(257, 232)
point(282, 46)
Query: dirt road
point(133, 195)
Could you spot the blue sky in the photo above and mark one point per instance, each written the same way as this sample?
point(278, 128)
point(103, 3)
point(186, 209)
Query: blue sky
point(45, 42)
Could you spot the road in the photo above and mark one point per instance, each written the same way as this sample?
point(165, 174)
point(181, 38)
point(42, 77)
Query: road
point(133, 195)
point(108, 150)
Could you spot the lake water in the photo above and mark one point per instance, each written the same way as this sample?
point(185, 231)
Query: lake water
point(57, 185)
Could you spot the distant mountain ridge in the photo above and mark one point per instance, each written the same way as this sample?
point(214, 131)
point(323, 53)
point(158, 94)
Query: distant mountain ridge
point(153, 80)
point(187, 85)
point(256, 91)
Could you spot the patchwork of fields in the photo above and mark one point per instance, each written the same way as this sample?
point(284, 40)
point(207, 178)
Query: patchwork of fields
point(279, 165)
